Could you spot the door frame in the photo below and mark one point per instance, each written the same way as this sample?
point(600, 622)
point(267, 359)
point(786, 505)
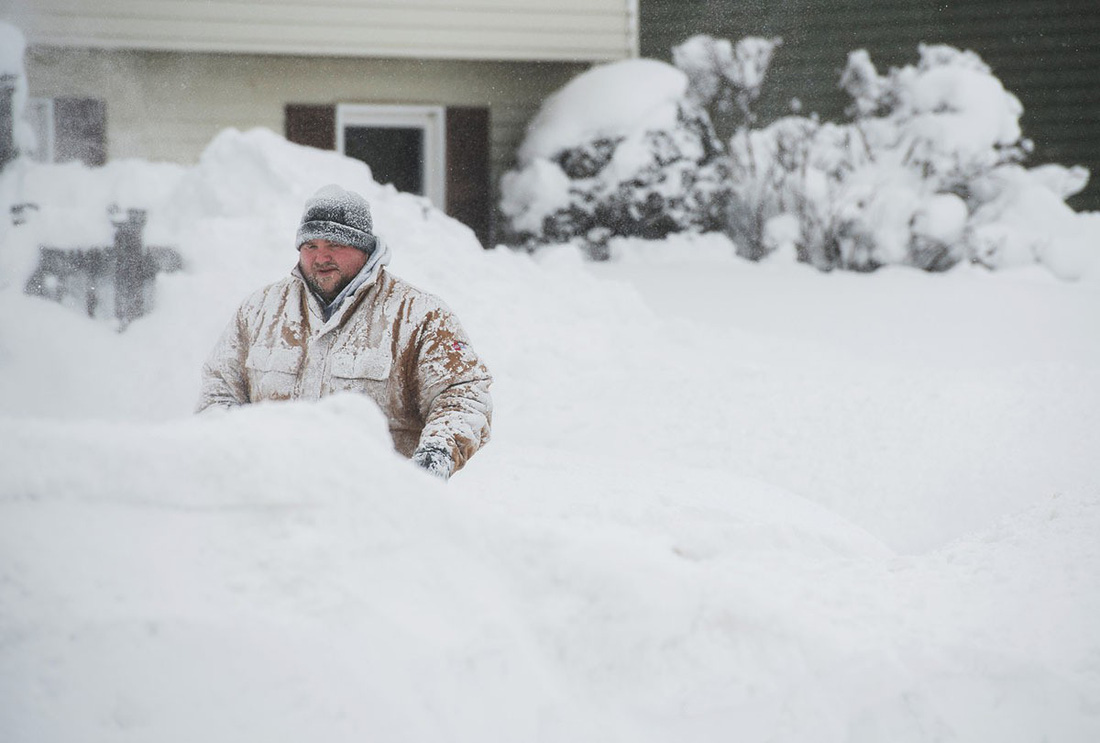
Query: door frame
point(431, 119)
point(40, 116)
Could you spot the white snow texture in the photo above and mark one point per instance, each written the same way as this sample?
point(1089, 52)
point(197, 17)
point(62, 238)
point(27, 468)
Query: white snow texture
point(724, 500)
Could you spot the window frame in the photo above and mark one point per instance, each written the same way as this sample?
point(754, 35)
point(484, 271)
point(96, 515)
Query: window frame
point(45, 138)
point(432, 120)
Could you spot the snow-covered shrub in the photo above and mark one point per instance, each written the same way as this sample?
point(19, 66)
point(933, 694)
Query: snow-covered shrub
point(725, 79)
point(630, 148)
point(894, 185)
point(926, 171)
point(620, 150)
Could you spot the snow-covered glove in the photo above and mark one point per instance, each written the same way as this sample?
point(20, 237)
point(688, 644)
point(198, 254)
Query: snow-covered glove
point(434, 459)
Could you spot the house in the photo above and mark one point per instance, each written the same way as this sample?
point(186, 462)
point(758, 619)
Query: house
point(1046, 53)
point(433, 94)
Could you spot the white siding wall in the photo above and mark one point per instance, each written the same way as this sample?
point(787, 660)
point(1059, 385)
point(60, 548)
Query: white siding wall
point(169, 105)
point(578, 30)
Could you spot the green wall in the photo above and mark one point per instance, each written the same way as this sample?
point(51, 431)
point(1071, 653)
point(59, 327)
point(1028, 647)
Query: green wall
point(1046, 52)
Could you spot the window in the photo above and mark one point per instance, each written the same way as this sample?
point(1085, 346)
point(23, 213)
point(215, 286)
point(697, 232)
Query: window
point(68, 129)
point(446, 151)
point(403, 145)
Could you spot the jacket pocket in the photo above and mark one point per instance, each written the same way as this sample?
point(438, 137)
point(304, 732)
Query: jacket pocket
point(272, 372)
point(369, 363)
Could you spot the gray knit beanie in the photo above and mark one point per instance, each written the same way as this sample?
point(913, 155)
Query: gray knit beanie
point(338, 216)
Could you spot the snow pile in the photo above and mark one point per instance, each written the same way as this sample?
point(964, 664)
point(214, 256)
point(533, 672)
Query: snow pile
point(233, 218)
point(720, 496)
point(927, 173)
point(229, 574)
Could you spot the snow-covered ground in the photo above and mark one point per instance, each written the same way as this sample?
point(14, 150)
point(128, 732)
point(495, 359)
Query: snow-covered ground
point(724, 500)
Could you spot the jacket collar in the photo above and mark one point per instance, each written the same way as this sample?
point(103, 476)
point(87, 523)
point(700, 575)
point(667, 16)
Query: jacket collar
point(363, 280)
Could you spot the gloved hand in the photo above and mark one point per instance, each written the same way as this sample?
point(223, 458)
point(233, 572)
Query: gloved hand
point(434, 459)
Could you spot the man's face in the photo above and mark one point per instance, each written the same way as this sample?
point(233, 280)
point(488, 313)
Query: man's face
point(328, 267)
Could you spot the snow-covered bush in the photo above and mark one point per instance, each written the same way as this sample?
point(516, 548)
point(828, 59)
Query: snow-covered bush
point(620, 150)
point(724, 78)
point(925, 172)
point(894, 185)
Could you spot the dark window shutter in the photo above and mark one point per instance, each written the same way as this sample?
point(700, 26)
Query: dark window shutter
point(80, 130)
point(311, 125)
point(468, 195)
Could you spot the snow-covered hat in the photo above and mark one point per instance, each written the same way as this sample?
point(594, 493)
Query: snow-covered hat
point(338, 216)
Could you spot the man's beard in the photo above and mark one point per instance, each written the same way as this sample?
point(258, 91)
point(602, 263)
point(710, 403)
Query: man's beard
point(316, 288)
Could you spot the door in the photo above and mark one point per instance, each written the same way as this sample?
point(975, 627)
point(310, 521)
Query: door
point(448, 147)
point(403, 145)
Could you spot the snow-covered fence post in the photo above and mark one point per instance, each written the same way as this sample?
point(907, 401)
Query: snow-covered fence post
point(8, 149)
point(133, 268)
point(82, 277)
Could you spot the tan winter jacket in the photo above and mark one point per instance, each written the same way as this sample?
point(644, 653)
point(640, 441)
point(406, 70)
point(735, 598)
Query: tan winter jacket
point(398, 345)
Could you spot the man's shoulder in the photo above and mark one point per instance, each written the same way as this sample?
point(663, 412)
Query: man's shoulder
point(275, 292)
point(414, 301)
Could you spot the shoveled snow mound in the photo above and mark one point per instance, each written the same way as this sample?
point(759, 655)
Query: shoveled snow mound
point(276, 573)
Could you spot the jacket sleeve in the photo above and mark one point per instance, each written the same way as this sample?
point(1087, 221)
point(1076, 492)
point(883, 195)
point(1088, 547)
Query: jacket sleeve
point(224, 379)
point(453, 387)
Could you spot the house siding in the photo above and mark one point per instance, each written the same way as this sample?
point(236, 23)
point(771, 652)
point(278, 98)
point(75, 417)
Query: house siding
point(561, 30)
point(169, 105)
point(1046, 52)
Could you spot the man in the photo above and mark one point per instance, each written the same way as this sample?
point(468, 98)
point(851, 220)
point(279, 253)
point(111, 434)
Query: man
point(341, 322)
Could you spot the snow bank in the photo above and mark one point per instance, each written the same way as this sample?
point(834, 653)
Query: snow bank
point(221, 577)
point(232, 218)
point(720, 496)
point(276, 573)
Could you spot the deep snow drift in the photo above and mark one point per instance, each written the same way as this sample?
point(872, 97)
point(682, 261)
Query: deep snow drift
point(723, 501)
